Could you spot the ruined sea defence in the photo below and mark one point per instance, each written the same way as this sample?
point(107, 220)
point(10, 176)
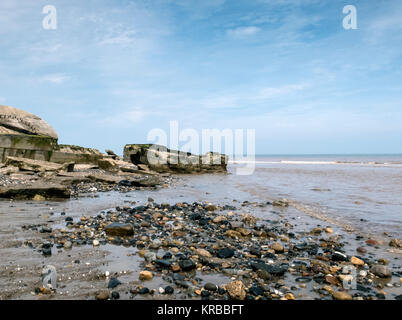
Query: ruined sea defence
point(162, 159)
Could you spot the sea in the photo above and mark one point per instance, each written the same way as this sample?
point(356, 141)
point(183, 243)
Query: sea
point(364, 191)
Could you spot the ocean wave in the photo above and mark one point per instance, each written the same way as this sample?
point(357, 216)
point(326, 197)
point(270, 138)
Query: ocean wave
point(320, 162)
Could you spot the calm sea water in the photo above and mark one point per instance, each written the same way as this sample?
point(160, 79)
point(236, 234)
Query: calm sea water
point(348, 187)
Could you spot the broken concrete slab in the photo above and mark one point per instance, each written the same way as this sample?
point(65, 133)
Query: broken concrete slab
point(29, 191)
point(25, 164)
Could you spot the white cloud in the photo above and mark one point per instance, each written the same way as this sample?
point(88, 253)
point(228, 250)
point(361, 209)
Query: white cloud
point(56, 78)
point(271, 92)
point(123, 119)
point(243, 31)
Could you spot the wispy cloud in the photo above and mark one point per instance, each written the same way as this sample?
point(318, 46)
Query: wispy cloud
point(56, 78)
point(271, 92)
point(243, 31)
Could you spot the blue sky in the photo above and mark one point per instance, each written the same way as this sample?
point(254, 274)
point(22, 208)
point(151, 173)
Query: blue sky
point(114, 70)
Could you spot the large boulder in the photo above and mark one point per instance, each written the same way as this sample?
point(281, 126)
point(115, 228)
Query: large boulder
point(16, 121)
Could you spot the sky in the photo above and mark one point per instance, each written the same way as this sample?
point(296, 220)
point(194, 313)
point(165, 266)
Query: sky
point(114, 70)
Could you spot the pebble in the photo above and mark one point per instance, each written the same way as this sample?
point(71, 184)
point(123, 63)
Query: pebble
point(67, 245)
point(341, 295)
point(169, 290)
point(236, 290)
point(357, 261)
point(226, 253)
point(381, 271)
point(103, 295)
point(210, 286)
point(49, 277)
point(113, 283)
point(277, 247)
point(145, 275)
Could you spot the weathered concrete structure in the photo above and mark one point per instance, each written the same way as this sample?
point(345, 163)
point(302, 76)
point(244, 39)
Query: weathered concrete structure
point(162, 159)
point(25, 135)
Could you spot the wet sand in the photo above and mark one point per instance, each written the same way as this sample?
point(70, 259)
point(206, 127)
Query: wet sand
point(20, 265)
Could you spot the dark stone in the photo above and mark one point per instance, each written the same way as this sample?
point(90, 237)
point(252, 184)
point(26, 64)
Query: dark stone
point(205, 293)
point(115, 295)
point(195, 216)
point(210, 286)
point(226, 253)
point(255, 251)
point(46, 230)
point(169, 290)
point(69, 219)
point(119, 229)
point(339, 256)
point(187, 265)
point(113, 283)
point(163, 263)
point(47, 251)
point(256, 290)
point(143, 291)
point(276, 270)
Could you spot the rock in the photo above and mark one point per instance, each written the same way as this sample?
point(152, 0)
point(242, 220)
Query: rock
point(328, 230)
point(68, 245)
point(115, 295)
point(163, 263)
point(275, 270)
point(155, 244)
point(113, 283)
point(162, 159)
point(95, 243)
point(361, 250)
point(108, 165)
point(395, 243)
point(290, 296)
point(233, 234)
point(277, 247)
point(219, 219)
point(281, 203)
point(339, 256)
point(236, 290)
point(26, 164)
point(175, 268)
point(226, 253)
point(38, 197)
point(331, 279)
point(256, 290)
point(119, 229)
point(145, 275)
point(103, 295)
point(9, 170)
point(210, 287)
point(169, 290)
point(341, 295)
point(150, 256)
point(316, 231)
point(143, 291)
point(357, 261)
point(49, 277)
point(381, 271)
point(371, 242)
point(187, 265)
point(203, 253)
point(210, 207)
point(16, 121)
point(28, 191)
